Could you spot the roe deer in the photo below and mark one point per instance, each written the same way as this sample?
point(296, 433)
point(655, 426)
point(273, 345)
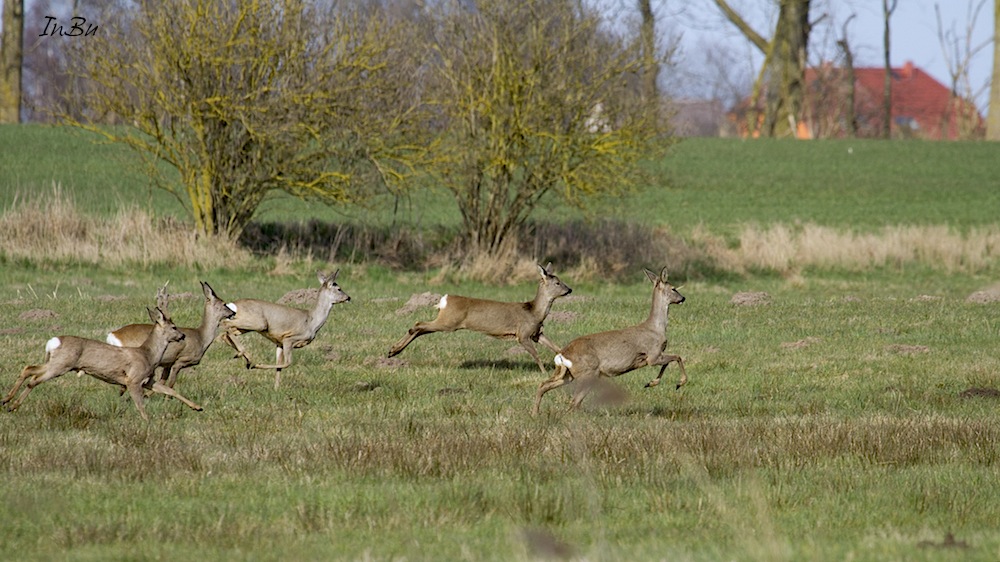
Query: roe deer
point(187, 352)
point(617, 352)
point(128, 367)
point(503, 320)
point(287, 327)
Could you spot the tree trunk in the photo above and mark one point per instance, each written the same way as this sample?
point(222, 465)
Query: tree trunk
point(11, 56)
point(850, 112)
point(650, 63)
point(888, 6)
point(784, 65)
point(993, 117)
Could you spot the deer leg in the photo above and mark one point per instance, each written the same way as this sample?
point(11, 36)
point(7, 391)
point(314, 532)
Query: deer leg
point(418, 329)
point(544, 340)
point(135, 390)
point(279, 360)
point(171, 378)
point(28, 371)
point(664, 361)
point(559, 378)
point(164, 389)
point(528, 345)
point(229, 337)
point(282, 356)
point(584, 385)
point(34, 372)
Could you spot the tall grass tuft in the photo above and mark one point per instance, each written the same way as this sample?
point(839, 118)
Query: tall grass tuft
point(49, 228)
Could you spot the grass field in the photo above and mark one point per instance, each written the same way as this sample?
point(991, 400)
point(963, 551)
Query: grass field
point(853, 415)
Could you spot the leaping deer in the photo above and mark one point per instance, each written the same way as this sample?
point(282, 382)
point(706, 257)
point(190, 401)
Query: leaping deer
point(616, 352)
point(187, 352)
point(287, 327)
point(127, 367)
point(503, 320)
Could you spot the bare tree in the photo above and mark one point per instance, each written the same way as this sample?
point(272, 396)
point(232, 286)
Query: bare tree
point(650, 60)
point(993, 117)
point(534, 99)
point(850, 112)
point(11, 58)
point(230, 101)
point(888, 7)
point(780, 82)
point(959, 52)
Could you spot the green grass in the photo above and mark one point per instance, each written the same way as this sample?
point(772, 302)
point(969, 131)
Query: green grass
point(829, 424)
point(855, 184)
point(719, 183)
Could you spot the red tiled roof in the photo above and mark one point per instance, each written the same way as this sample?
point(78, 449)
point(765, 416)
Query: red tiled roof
point(919, 102)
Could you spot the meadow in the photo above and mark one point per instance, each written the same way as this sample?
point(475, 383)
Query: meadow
point(845, 408)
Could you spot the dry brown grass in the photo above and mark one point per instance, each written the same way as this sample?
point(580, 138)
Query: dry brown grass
point(48, 227)
point(786, 249)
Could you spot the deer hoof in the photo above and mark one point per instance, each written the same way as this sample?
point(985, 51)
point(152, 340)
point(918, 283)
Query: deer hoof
point(651, 384)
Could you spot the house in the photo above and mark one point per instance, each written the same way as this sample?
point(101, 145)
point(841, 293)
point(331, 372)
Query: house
point(922, 107)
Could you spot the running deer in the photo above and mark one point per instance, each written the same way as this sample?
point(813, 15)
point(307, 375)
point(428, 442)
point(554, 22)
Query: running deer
point(287, 327)
point(617, 352)
point(127, 367)
point(503, 320)
point(182, 354)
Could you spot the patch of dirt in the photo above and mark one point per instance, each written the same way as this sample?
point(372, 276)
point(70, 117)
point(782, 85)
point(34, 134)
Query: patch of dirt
point(366, 386)
point(386, 362)
point(562, 316)
point(451, 390)
point(799, 344)
point(979, 392)
point(38, 314)
point(907, 349)
point(751, 298)
point(9, 331)
point(300, 296)
point(418, 301)
point(110, 298)
point(948, 542)
point(985, 296)
point(925, 298)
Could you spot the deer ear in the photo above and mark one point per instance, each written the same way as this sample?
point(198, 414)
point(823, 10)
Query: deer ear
point(663, 274)
point(152, 315)
point(650, 275)
point(207, 290)
point(543, 271)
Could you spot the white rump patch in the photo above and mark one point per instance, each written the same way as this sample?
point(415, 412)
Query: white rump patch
point(443, 302)
point(562, 361)
point(52, 345)
point(113, 340)
point(231, 306)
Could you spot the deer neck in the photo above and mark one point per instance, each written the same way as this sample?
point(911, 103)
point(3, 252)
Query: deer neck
point(657, 320)
point(319, 313)
point(208, 328)
point(155, 345)
point(542, 304)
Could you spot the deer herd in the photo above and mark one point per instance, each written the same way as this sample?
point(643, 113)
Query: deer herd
point(131, 354)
